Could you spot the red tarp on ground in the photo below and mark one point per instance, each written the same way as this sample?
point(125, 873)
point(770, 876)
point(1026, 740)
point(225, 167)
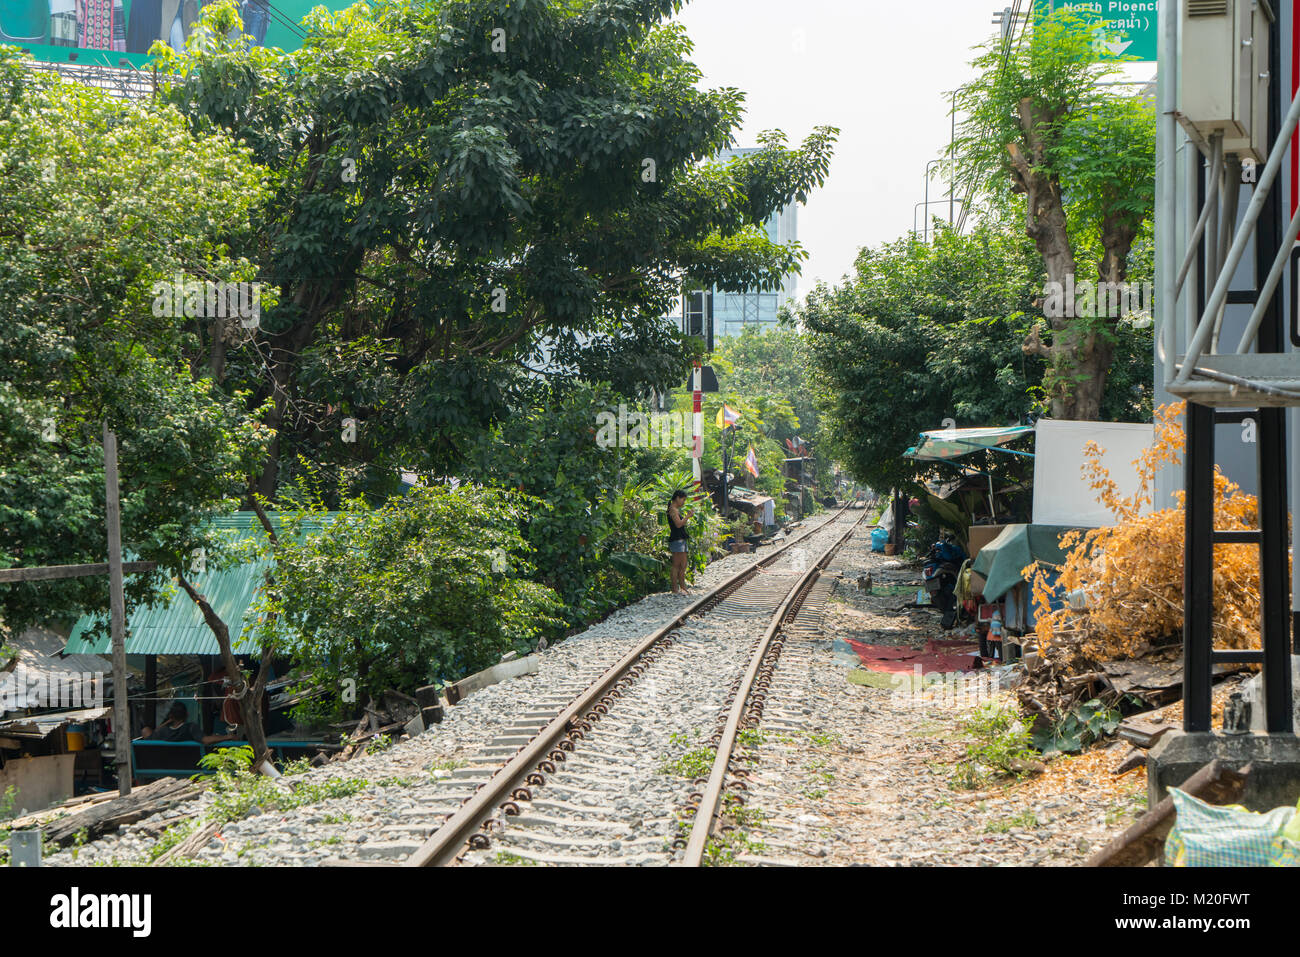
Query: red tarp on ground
point(939, 654)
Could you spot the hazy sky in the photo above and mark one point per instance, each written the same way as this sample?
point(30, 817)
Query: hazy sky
point(877, 69)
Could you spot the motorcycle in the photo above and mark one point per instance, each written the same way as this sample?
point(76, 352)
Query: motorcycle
point(939, 573)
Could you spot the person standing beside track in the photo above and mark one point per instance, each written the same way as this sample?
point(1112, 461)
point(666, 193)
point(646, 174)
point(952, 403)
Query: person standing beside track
point(677, 541)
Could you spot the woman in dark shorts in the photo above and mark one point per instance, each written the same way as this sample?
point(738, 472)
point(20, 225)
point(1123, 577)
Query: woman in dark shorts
point(677, 540)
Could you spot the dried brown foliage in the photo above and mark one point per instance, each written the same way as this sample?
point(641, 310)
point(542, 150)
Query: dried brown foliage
point(1132, 572)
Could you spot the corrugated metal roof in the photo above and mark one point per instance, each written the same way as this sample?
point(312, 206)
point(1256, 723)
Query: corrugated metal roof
point(176, 626)
point(38, 650)
point(43, 725)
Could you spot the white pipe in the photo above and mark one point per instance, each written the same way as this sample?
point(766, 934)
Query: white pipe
point(1166, 173)
point(1270, 284)
point(1211, 200)
point(1245, 233)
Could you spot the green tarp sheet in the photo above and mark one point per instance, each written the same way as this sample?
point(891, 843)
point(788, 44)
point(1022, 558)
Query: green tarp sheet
point(1002, 560)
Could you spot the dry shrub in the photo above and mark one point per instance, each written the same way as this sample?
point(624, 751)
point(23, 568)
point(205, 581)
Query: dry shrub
point(1132, 572)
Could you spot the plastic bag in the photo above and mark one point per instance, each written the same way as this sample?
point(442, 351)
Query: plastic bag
point(1207, 835)
point(879, 538)
point(1285, 851)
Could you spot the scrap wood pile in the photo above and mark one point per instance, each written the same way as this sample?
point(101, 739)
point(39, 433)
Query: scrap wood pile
point(394, 715)
point(1118, 638)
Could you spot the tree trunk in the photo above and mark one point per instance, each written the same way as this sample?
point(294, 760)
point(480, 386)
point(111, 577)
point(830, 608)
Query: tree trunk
point(247, 696)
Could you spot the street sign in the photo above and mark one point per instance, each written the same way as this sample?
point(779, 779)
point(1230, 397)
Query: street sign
point(1130, 25)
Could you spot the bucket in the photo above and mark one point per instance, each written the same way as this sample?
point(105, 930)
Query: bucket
point(76, 737)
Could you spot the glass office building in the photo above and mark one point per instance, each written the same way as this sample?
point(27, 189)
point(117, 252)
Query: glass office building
point(732, 312)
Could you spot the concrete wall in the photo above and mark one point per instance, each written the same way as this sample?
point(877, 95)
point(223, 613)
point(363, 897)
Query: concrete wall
point(41, 781)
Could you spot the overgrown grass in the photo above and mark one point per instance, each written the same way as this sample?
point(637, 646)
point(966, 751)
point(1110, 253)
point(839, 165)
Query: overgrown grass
point(171, 837)
point(1026, 820)
point(696, 763)
point(998, 746)
point(238, 790)
point(506, 859)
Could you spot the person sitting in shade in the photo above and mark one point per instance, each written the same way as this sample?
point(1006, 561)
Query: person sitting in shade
point(179, 727)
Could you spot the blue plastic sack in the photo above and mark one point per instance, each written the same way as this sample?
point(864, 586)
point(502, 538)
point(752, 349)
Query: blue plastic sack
point(879, 538)
point(1207, 835)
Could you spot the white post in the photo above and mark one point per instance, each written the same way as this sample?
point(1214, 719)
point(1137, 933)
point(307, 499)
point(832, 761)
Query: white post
point(697, 422)
point(117, 615)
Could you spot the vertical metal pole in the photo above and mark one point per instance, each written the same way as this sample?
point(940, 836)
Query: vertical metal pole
point(1167, 233)
point(1198, 567)
point(697, 422)
point(926, 222)
point(117, 614)
point(952, 147)
point(1274, 595)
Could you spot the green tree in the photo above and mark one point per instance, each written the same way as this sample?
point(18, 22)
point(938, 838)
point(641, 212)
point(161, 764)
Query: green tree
point(770, 372)
point(433, 585)
point(101, 200)
point(921, 333)
point(459, 185)
point(1042, 132)
point(552, 450)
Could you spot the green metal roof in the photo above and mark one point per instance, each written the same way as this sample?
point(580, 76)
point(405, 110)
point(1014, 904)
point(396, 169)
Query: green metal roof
point(176, 626)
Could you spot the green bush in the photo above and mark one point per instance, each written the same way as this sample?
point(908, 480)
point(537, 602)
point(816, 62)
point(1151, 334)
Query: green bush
point(431, 586)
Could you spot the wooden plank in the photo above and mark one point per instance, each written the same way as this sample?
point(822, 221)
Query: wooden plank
point(1144, 839)
point(108, 816)
point(190, 845)
point(55, 572)
point(1143, 732)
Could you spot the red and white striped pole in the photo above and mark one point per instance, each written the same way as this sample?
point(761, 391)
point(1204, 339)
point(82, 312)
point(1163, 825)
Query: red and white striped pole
point(697, 425)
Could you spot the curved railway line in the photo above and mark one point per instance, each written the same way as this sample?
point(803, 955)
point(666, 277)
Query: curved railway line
point(578, 782)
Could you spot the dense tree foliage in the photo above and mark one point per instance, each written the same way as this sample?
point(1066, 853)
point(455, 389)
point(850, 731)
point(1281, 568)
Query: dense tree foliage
point(931, 331)
point(100, 201)
point(456, 185)
point(600, 500)
point(431, 585)
point(1078, 158)
point(765, 376)
point(921, 333)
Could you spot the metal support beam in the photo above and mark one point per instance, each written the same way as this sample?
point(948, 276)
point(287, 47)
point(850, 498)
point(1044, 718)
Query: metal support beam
point(1198, 567)
point(1274, 583)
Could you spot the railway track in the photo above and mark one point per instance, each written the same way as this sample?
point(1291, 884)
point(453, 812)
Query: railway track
point(579, 778)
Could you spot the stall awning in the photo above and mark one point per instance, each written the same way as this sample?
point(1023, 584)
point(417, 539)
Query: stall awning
point(943, 445)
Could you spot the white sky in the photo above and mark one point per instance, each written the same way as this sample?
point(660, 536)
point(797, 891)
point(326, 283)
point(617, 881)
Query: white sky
point(878, 70)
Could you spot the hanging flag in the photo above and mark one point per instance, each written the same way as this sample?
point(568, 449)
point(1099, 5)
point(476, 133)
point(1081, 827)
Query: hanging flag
point(727, 416)
point(751, 462)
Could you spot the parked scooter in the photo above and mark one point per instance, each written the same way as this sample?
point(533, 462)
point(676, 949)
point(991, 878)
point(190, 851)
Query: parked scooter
point(942, 564)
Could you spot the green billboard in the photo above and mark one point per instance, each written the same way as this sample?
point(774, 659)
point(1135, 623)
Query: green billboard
point(120, 32)
point(1129, 26)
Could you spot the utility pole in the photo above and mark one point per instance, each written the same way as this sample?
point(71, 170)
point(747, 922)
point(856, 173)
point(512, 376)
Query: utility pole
point(117, 614)
point(928, 166)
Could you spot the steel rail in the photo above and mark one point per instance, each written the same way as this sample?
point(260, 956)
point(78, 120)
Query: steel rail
point(710, 805)
point(447, 843)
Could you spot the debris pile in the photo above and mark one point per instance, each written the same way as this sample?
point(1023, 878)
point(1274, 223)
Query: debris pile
point(1117, 635)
